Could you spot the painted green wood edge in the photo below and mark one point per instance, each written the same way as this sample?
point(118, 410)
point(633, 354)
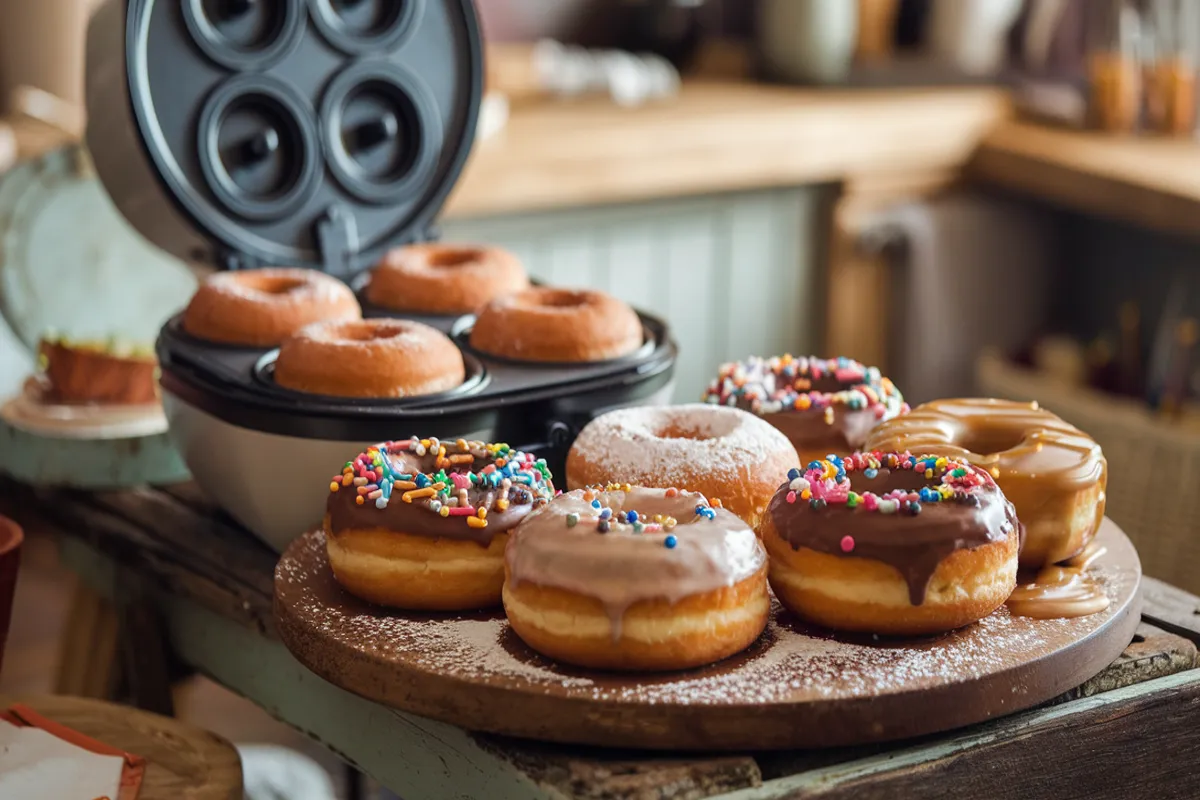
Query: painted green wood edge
point(89, 463)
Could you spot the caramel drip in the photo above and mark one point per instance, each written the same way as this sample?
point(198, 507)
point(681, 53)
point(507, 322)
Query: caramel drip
point(1062, 591)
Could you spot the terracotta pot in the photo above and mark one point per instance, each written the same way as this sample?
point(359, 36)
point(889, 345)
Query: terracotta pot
point(11, 538)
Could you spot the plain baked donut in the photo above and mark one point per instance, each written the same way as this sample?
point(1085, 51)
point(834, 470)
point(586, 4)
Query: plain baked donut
point(444, 278)
point(422, 524)
point(557, 325)
point(369, 358)
point(262, 307)
point(725, 454)
point(824, 405)
point(1054, 473)
point(629, 578)
point(891, 544)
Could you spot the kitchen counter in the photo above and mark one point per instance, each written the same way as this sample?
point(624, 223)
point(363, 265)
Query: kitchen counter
point(1151, 182)
point(717, 137)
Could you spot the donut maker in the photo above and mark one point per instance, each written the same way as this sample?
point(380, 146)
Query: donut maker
point(313, 133)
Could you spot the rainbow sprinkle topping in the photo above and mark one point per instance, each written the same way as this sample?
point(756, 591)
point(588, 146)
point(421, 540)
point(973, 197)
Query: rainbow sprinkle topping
point(786, 383)
point(604, 520)
point(464, 479)
point(826, 482)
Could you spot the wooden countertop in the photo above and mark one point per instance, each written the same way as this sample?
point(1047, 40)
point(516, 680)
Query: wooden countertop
point(1147, 181)
point(718, 136)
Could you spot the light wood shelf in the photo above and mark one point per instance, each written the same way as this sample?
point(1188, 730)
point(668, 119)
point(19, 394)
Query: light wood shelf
point(716, 137)
point(1148, 181)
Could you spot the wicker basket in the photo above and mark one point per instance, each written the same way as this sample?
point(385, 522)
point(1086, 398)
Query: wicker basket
point(1153, 466)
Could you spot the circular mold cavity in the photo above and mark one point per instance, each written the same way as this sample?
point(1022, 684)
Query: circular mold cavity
point(476, 380)
point(259, 148)
point(382, 131)
point(245, 34)
point(357, 27)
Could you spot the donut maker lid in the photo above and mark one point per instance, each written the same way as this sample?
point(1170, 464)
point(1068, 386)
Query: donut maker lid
point(315, 133)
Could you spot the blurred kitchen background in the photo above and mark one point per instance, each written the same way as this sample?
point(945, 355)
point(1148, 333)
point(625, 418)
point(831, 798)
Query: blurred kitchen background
point(996, 197)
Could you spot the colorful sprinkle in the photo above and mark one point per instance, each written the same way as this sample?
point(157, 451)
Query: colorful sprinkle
point(785, 383)
point(847, 544)
point(465, 479)
point(670, 542)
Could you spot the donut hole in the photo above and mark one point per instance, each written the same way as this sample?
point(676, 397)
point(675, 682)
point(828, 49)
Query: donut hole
point(890, 480)
point(986, 441)
point(364, 331)
point(276, 284)
point(559, 298)
point(450, 259)
point(696, 430)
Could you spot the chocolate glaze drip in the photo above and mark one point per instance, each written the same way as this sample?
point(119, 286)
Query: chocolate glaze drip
point(914, 545)
point(344, 513)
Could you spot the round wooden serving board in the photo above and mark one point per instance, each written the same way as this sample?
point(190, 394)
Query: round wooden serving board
point(796, 687)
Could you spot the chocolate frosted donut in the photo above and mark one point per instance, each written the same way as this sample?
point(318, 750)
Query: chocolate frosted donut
point(422, 524)
point(822, 405)
point(892, 543)
point(635, 579)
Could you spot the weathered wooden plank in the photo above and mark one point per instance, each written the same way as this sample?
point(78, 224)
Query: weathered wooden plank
point(1091, 748)
point(201, 539)
point(165, 567)
point(1171, 609)
point(592, 774)
point(1153, 653)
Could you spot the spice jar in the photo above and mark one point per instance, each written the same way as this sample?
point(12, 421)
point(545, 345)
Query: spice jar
point(1114, 67)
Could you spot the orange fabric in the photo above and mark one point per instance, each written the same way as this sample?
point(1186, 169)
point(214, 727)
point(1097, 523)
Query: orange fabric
point(135, 766)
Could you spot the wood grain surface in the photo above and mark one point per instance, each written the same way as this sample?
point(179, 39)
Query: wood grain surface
point(182, 762)
point(795, 687)
point(1151, 181)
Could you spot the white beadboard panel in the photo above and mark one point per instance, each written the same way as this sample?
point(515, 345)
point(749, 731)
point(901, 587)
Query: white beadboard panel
point(734, 274)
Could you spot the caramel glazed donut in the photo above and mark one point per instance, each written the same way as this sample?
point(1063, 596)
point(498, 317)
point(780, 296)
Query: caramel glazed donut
point(720, 452)
point(637, 579)
point(262, 307)
point(1054, 473)
point(444, 279)
point(891, 544)
point(422, 524)
point(557, 325)
point(380, 358)
point(822, 405)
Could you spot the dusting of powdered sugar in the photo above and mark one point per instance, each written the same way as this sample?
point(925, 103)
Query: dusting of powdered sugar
point(788, 664)
point(728, 443)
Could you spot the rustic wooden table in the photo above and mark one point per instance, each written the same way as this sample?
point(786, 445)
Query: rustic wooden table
point(164, 557)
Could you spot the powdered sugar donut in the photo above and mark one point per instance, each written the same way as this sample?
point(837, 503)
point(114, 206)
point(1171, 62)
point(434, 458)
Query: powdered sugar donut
point(720, 452)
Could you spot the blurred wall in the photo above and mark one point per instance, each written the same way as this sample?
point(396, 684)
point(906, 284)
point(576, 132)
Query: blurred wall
point(42, 44)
